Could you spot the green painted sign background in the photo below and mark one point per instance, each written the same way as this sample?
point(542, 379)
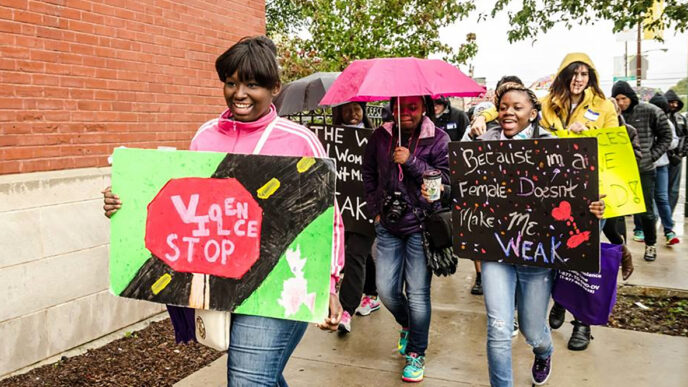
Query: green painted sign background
point(138, 175)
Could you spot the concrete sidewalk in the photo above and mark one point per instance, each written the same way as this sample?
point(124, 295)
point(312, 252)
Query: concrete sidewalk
point(456, 355)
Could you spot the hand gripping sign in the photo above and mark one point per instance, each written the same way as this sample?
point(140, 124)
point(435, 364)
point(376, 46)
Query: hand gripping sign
point(209, 226)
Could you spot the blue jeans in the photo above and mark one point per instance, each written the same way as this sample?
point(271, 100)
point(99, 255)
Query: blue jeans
point(259, 348)
point(661, 197)
point(403, 284)
point(533, 287)
point(674, 184)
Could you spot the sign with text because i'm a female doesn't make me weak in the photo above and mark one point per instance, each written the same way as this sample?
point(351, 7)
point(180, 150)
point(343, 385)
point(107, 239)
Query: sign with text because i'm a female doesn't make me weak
point(526, 202)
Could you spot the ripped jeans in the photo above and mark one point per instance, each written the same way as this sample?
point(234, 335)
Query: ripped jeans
point(533, 288)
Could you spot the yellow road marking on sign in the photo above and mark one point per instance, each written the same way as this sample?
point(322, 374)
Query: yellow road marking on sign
point(305, 164)
point(269, 188)
point(161, 283)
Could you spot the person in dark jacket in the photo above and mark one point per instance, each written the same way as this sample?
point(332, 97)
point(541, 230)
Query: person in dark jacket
point(357, 293)
point(662, 206)
point(655, 137)
point(397, 155)
point(676, 156)
point(450, 119)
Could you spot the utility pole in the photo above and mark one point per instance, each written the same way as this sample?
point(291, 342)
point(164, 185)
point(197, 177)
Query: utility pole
point(626, 58)
point(638, 57)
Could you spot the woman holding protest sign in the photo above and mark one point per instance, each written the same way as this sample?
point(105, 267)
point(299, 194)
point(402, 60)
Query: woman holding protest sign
point(576, 103)
point(518, 109)
point(357, 293)
point(397, 155)
point(259, 346)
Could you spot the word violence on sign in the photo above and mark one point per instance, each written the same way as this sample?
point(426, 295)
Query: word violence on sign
point(209, 226)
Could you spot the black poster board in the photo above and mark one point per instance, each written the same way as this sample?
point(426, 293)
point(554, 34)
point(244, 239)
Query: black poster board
point(526, 202)
point(346, 146)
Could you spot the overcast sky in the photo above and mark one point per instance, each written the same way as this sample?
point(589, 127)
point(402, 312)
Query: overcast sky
point(497, 57)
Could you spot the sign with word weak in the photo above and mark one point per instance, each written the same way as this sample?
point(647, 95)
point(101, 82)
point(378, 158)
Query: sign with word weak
point(619, 176)
point(525, 202)
point(347, 145)
point(244, 233)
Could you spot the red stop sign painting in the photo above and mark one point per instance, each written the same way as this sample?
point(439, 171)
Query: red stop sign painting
point(205, 225)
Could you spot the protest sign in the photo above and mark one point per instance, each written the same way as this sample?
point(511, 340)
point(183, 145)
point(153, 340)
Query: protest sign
point(526, 202)
point(244, 233)
point(619, 176)
point(346, 145)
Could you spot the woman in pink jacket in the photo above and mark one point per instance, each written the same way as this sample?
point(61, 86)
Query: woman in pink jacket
point(259, 346)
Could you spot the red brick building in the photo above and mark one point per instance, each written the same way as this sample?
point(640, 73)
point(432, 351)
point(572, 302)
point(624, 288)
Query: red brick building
point(80, 77)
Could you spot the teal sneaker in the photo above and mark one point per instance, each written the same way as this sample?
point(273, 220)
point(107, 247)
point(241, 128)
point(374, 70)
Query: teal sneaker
point(638, 236)
point(403, 340)
point(414, 369)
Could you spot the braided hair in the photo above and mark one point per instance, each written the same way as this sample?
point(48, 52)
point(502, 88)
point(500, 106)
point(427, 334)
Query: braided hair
point(512, 86)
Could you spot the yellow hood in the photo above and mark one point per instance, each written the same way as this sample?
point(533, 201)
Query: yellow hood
point(577, 57)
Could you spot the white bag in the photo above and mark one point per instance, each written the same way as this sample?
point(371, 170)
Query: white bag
point(212, 328)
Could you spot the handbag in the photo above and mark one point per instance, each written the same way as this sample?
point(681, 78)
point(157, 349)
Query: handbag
point(212, 326)
point(590, 297)
point(437, 242)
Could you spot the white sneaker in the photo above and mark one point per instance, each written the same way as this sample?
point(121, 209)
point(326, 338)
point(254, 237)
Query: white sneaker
point(368, 305)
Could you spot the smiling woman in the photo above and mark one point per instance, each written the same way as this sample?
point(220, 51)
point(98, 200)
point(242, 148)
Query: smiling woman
point(259, 346)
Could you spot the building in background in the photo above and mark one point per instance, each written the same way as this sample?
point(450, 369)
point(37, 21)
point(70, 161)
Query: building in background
point(78, 79)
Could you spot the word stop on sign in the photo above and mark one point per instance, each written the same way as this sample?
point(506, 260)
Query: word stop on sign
point(205, 225)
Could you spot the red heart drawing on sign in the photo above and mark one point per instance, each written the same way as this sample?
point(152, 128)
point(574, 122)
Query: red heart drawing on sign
point(563, 212)
point(577, 239)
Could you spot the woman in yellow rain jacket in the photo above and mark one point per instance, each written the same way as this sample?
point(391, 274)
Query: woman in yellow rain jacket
point(575, 101)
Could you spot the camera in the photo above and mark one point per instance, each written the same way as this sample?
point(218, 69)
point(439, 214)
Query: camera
point(393, 207)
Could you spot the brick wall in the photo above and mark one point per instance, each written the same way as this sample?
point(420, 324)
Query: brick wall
point(80, 77)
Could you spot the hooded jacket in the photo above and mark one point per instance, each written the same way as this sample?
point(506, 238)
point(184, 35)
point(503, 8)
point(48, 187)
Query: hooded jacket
point(650, 122)
point(429, 150)
point(452, 120)
point(661, 102)
point(594, 111)
point(681, 125)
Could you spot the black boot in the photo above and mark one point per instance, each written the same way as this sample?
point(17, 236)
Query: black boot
point(477, 288)
point(556, 316)
point(581, 336)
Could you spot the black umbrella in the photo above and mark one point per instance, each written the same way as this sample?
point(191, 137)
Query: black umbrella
point(304, 94)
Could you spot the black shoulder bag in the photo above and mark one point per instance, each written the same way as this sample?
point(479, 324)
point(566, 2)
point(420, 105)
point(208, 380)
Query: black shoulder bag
point(437, 242)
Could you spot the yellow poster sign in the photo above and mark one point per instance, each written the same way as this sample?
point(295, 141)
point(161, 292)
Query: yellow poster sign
point(653, 13)
point(619, 176)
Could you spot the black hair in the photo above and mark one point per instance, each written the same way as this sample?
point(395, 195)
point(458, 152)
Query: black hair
point(252, 58)
point(427, 102)
point(508, 78)
point(337, 115)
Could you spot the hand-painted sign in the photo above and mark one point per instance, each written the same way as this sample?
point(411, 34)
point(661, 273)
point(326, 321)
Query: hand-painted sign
point(208, 226)
point(244, 233)
point(346, 145)
point(619, 176)
point(526, 202)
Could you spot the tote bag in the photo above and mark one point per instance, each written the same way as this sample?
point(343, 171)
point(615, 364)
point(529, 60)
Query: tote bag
point(590, 297)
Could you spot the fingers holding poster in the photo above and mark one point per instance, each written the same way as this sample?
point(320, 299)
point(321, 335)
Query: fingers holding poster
point(526, 202)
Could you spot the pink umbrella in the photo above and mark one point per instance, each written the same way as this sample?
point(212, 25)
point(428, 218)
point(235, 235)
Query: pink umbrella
point(382, 78)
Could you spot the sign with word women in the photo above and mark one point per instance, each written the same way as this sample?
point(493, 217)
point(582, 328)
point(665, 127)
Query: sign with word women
point(525, 202)
point(347, 145)
point(244, 233)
